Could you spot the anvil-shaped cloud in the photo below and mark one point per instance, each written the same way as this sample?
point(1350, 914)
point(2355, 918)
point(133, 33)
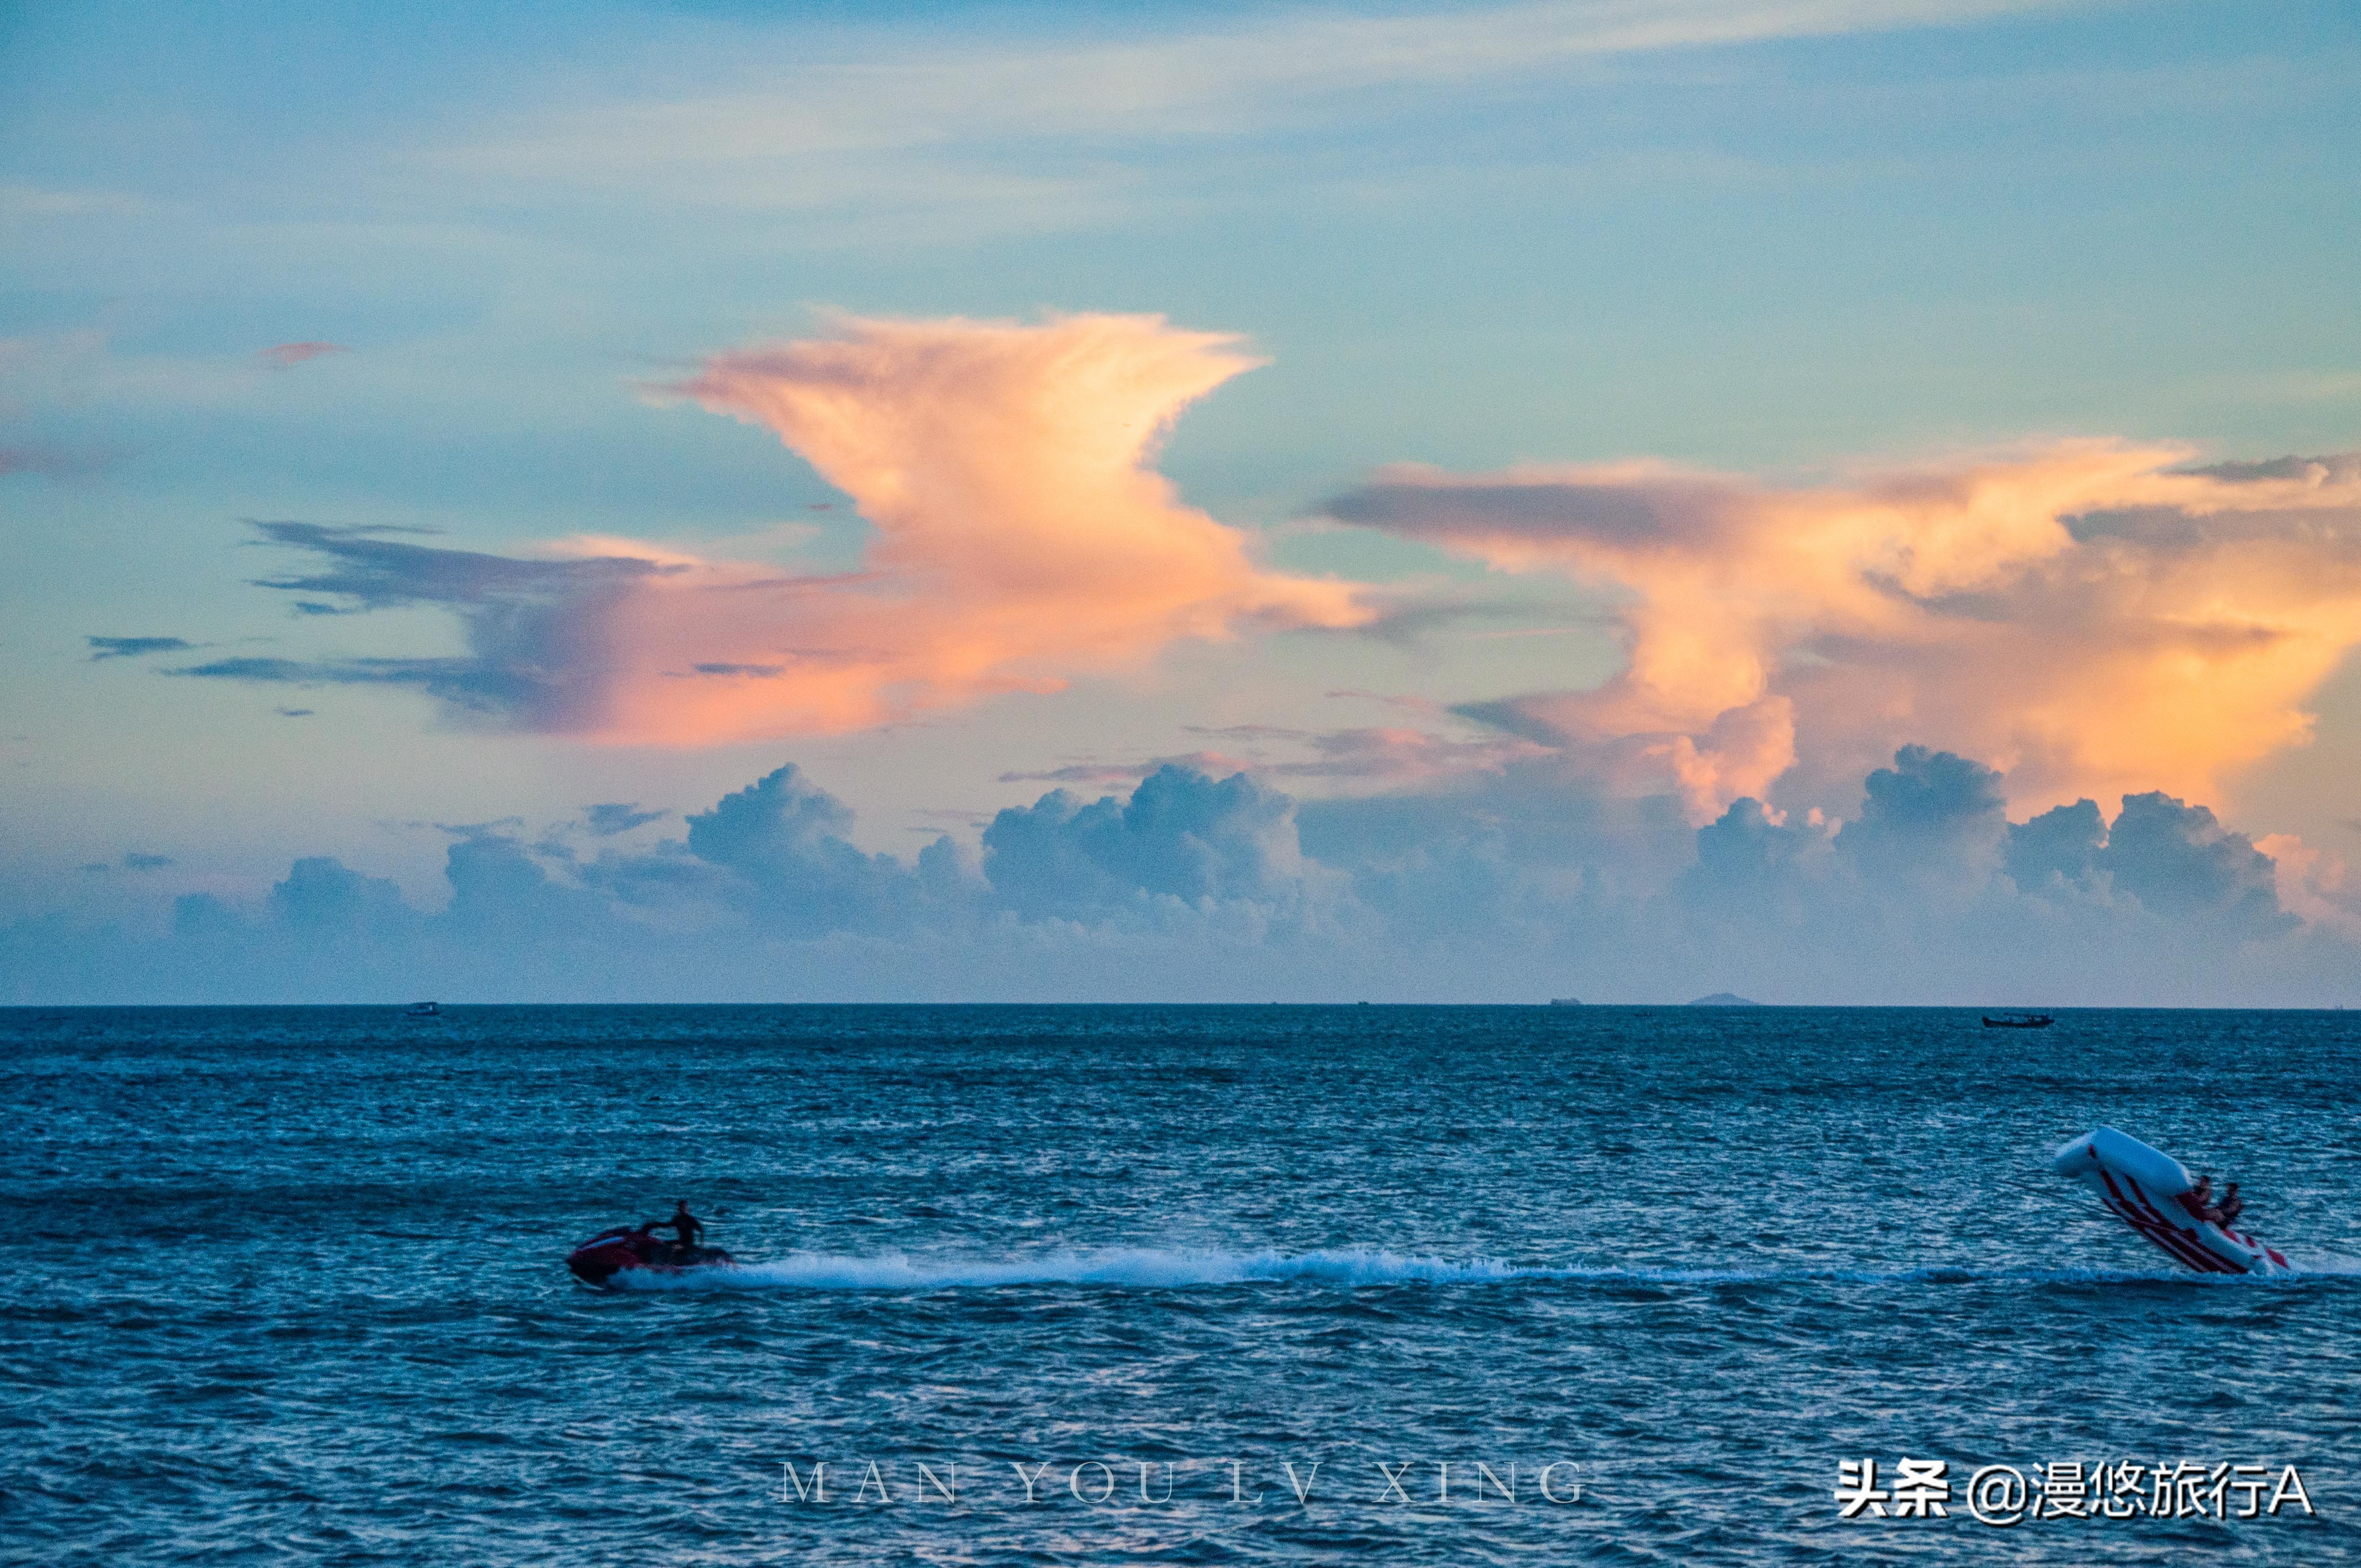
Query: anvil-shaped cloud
point(1022, 536)
point(2093, 618)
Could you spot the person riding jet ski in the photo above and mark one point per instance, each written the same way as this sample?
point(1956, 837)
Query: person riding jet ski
point(627, 1248)
point(686, 1227)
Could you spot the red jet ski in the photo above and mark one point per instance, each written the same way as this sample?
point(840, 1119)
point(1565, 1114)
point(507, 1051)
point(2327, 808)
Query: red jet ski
point(599, 1260)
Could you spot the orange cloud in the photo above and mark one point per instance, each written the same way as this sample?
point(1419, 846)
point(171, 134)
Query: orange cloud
point(2091, 618)
point(1022, 536)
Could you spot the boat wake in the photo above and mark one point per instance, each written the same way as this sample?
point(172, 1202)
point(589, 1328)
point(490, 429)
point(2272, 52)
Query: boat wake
point(1159, 1269)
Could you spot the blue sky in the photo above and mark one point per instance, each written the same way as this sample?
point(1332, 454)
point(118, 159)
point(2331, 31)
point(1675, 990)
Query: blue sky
point(1784, 241)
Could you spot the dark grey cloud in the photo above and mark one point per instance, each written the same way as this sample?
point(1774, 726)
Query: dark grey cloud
point(324, 896)
point(471, 684)
point(538, 632)
point(1103, 774)
point(373, 570)
point(2057, 850)
point(134, 647)
point(763, 671)
point(2182, 864)
point(1512, 715)
point(137, 860)
point(1931, 816)
point(1746, 853)
point(1543, 508)
point(2337, 468)
point(612, 817)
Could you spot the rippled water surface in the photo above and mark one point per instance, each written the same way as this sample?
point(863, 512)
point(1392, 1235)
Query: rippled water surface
point(288, 1283)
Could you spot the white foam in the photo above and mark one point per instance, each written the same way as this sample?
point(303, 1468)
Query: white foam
point(1153, 1269)
point(1166, 1269)
point(2325, 1263)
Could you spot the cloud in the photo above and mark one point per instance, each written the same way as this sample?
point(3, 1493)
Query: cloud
point(137, 860)
point(134, 647)
point(2092, 618)
point(47, 459)
point(466, 685)
point(1022, 535)
point(1390, 756)
point(794, 870)
point(2177, 861)
point(287, 355)
point(756, 672)
point(612, 817)
point(1121, 772)
point(1181, 836)
point(1022, 539)
point(322, 891)
point(2317, 886)
point(985, 126)
point(1932, 814)
point(2057, 851)
point(541, 633)
point(1531, 881)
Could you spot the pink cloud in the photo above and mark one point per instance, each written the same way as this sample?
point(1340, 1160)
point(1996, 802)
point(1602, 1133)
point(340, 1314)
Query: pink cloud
point(287, 355)
point(2315, 885)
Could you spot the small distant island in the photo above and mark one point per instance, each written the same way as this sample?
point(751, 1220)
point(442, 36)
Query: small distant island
point(1565, 1001)
point(1725, 999)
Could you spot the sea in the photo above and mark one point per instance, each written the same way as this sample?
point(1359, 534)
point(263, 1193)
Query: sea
point(1115, 1285)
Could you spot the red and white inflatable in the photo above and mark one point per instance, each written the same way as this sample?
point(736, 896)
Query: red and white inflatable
point(2148, 1191)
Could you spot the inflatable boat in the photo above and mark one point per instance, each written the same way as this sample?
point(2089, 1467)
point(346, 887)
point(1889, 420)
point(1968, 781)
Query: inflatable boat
point(2149, 1190)
point(605, 1258)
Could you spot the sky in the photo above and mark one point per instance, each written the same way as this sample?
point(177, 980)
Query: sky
point(1837, 500)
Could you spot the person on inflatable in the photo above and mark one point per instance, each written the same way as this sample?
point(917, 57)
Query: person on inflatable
point(2199, 1199)
point(2231, 1208)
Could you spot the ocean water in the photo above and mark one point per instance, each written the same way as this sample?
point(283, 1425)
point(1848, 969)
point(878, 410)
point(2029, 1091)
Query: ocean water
point(287, 1283)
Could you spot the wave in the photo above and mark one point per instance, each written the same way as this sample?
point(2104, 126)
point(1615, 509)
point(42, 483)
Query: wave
point(2325, 1263)
point(1167, 1268)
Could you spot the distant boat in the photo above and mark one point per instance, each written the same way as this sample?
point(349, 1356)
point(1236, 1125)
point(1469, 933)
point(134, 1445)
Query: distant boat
point(421, 1010)
point(2019, 1021)
point(1565, 1001)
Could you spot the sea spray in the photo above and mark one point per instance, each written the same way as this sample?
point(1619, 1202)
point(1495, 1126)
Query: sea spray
point(1169, 1269)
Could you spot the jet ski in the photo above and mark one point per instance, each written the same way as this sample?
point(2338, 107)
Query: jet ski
point(605, 1258)
point(2149, 1191)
